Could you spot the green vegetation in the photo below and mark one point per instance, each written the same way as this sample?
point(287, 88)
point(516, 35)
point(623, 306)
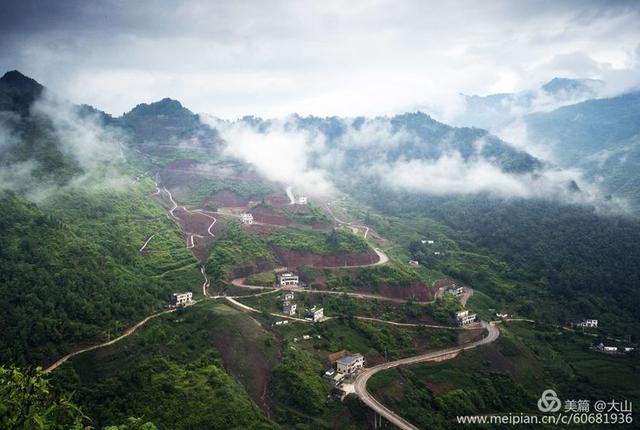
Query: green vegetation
point(297, 381)
point(27, 401)
point(337, 241)
point(309, 214)
point(71, 271)
point(478, 381)
point(237, 253)
point(172, 374)
point(267, 279)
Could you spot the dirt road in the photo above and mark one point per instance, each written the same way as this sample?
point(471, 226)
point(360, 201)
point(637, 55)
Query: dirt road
point(127, 333)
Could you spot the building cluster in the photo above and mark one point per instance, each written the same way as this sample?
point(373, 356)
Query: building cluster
point(246, 218)
point(464, 317)
point(181, 299)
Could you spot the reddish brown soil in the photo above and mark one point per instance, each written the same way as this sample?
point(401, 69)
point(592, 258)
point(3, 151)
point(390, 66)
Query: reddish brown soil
point(262, 230)
point(294, 259)
point(227, 199)
point(267, 215)
point(466, 336)
point(416, 291)
point(256, 377)
point(278, 200)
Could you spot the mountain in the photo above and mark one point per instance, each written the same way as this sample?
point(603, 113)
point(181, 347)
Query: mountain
point(161, 216)
point(18, 92)
point(162, 122)
point(602, 136)
point(496, 111)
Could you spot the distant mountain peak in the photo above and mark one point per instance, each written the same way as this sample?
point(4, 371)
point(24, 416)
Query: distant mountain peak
point(18, 92)
point(166, 106)
point(569, 85)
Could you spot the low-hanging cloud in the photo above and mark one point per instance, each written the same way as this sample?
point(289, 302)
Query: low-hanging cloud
point(93, 150)
point(297, 152)
point(279, 154)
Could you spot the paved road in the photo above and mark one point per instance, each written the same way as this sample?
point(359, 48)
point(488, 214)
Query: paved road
point(360, 384)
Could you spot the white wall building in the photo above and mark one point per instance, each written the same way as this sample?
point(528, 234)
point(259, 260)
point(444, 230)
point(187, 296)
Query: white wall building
point(289, 308)
point(288, 278)
point(350, 364)
point(589, 323)
point(315, 314)
point(181, 299)
point(246, 218)
point(464, 317)
point(288, 296)
point(302, 200)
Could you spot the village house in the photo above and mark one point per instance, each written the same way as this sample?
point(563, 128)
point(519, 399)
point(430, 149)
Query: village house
point(414, 263)
point(455, 290)
point(246, 218)
point(502, 314)
point(464, 317)
point(315, 315)
point(302, 200)
point(288, 278)
point(588, 323)
point(349, 364)
point(181, 299)
point(288, 295)
point(289, 308)
point(426, 241)
point(606, 348)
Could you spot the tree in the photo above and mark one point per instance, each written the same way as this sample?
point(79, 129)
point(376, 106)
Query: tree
point(27, 401)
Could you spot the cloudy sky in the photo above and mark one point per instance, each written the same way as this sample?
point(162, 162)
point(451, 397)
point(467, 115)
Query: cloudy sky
point(351, 57)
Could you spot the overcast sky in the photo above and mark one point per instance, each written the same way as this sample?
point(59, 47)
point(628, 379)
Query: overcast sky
point(272, 58)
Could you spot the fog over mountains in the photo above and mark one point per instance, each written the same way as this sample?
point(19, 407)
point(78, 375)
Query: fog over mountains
point(410, 152)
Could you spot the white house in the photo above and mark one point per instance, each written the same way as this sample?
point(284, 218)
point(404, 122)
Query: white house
point(246, 218)
point(426, 241)
point(607, 348)
point(302, 200)
point(414, 263)
point(588, 323)
point(350, 364)
point(288, 278)
point(181, 299)
point(315, 314)
point(288, 296)
point(289, 308)
point(502, 314)
point(464, 317)
point(455, 290)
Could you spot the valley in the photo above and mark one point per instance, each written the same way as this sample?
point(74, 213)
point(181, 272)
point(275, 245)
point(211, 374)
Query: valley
point(446, 299)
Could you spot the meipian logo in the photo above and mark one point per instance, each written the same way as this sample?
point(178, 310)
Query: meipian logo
point(549, 401)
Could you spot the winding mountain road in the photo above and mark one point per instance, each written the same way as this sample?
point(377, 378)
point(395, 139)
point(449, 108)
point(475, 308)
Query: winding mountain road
point(127, 333)
point(360, 384)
